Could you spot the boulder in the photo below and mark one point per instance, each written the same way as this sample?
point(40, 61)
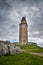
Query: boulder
point(11, 49)
point(18, 50)
point(0, 50)
point(4, 49)
point(14, 50)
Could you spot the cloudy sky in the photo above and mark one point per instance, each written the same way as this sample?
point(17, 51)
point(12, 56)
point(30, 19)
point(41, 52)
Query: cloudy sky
point(11, 13)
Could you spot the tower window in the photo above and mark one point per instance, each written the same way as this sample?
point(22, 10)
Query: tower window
point(24, 40)
point(24, 36)
point(24, 28)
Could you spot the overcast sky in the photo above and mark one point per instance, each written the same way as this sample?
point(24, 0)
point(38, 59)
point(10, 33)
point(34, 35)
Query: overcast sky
point(11, 13)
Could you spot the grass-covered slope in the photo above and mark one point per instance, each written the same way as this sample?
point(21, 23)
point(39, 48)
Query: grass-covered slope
point(21, 59)
point(32, 48)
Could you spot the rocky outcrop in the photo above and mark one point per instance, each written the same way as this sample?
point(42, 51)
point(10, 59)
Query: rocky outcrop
point(9, 49)
point(3, 49)
point(18, 50)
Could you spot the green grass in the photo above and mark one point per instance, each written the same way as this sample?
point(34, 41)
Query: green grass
point(21, 59)
point(31, 48)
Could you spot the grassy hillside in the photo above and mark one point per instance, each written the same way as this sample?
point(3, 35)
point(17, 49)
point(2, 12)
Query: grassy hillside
point(32, 48)
point(21, 59)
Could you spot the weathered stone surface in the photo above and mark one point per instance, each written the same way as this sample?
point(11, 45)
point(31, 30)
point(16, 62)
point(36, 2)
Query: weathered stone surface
point(0, 50)
point(9, 49)
point(18, 50)
point(13, 50)
point(4, 49)
point(23, 37)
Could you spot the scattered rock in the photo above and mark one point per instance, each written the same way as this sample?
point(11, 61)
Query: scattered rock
point(4, 49)
point(9, 49)
point(18, 50)
point(0, 50)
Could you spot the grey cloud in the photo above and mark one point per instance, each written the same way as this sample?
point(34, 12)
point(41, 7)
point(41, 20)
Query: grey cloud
point(4, 4)
point(11, 12)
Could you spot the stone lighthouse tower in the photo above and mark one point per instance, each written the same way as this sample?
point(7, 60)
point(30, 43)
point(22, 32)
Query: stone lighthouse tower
point(23, 32)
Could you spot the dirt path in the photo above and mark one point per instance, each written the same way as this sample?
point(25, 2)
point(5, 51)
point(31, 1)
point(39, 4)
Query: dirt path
point(34, 53)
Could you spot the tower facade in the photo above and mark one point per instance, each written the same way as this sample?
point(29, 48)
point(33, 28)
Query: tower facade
point(23, 32)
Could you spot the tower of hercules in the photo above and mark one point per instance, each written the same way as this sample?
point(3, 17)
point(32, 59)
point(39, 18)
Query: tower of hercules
point(23, 32)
